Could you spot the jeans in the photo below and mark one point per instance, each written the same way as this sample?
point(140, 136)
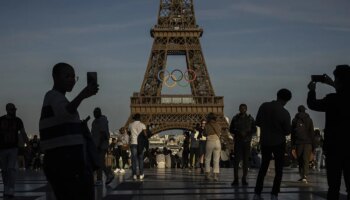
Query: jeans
point(8, 161)
point(318, 155)
point(266, 152)
point(136, 159)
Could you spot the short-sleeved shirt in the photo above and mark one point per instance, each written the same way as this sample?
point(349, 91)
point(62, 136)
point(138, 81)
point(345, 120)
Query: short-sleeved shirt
point(9, 130)
point(58, 127)
point(123, 139)
point(135, 129)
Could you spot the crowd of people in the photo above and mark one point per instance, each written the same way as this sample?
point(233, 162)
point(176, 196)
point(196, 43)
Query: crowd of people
point(73, 153)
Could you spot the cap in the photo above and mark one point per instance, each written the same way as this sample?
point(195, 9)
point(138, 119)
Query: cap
point(301, 108)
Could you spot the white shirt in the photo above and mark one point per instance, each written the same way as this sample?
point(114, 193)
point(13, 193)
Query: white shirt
point(135, 129)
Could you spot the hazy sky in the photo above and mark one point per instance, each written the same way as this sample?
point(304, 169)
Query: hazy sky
point(251, 48)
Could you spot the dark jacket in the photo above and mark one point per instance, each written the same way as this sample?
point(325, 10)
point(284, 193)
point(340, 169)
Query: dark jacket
point(243, 127)
point(274, 122)
point(302, 129)
point(337, 109)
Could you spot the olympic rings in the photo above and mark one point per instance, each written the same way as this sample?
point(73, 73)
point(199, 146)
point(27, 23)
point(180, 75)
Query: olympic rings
point(176, 76)
point(166, 81)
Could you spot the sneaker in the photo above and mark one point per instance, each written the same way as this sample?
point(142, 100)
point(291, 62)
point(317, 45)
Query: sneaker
point(116, 170)
point(134, 177)
point(304, 180)
point(142, 176)
point(235, 183)
point(257, 197)
point(274, 197)
point(122, 171)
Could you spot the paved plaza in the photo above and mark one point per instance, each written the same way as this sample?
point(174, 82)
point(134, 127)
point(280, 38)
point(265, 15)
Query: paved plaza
point(182, 184)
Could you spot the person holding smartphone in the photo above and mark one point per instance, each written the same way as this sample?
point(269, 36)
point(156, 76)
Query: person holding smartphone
point(336, 137)
point(65, 164)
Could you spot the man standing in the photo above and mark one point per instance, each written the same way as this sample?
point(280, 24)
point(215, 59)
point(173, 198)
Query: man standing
point(65, 164)
point(136, 128)
point(242, 128)
point(275, 124)
point(302, 139)
point(10, 127)
point(336, 133)
point(100, 136)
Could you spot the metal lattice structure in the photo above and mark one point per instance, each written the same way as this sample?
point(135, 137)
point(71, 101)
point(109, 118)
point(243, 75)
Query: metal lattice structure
point(176, 33)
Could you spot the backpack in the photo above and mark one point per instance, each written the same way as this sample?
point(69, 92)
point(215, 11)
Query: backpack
point(300, 129)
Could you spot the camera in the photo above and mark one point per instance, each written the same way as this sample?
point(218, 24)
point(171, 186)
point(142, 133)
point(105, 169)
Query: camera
point(319, 78)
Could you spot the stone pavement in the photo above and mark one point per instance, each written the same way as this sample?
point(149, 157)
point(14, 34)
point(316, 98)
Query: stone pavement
point(182, 184)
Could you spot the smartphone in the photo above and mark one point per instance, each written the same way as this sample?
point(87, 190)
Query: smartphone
point(318, 78)
point(92, 78)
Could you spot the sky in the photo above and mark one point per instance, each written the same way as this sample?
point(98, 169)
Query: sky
point(251, 49)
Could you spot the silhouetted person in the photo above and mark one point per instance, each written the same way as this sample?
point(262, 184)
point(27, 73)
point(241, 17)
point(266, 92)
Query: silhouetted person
point(186, 149)
point(194, 149)
point(275, 124)
point(302, 139)
point(202, 144)
point(65, 164)
point(10, 128)
point(317, 148)
point(121, 150)
point(100, 136)
point(242, 128)
point(34, 145)
point(336, 133)
point(136, 128)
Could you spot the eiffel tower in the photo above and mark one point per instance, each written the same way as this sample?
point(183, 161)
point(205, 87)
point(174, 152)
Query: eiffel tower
point(176, 33)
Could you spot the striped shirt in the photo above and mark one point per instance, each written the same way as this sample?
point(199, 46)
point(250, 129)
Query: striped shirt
point(58, 127)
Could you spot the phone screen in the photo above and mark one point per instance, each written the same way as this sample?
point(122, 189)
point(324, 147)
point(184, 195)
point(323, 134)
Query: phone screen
point(92, 78)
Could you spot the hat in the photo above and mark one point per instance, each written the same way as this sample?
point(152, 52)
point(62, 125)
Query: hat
point(301, 108)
